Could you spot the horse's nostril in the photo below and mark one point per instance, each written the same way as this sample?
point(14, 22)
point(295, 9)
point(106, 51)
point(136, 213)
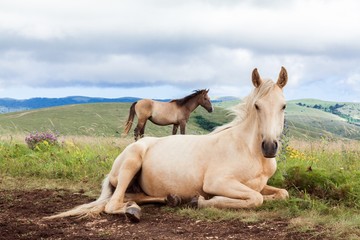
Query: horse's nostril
point(275, 145)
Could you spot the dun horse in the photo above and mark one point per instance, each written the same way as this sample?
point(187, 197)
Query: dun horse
point(228, 168)
point(175, 112)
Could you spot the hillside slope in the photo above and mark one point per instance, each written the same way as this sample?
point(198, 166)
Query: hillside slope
point(99, 119)
point(312, 118)
point(308, 122)
point(107, 119)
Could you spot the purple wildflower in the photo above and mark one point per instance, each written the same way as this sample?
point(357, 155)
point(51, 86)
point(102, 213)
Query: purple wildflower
point(39, 137)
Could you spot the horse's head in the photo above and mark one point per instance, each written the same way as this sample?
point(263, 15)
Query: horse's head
point(204, 101)
point(270, 111)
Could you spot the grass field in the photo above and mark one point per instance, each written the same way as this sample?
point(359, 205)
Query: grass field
point(323, 178)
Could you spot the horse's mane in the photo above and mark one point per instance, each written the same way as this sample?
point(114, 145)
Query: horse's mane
point(244, 109)
point(184, 100)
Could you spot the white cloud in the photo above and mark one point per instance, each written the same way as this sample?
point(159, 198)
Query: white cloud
point(353, 82)
point(185, 44)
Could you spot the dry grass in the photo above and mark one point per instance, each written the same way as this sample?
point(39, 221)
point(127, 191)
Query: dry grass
point(325, 145)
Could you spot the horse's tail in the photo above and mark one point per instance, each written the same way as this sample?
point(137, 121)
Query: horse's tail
point(90, 209)
point(130, 119)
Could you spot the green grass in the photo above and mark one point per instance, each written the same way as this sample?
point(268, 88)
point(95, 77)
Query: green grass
point(71, 160)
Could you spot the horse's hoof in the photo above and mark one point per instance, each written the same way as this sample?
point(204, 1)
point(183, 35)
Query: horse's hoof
point(133, 213)
point(173, 200)
point(194, 202)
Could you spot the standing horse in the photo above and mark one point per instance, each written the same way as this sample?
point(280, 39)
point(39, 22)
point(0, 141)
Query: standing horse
point(228, 168)
point(175, 112)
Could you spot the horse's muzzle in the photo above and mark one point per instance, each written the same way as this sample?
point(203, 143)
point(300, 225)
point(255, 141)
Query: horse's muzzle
point(269, 148)
point(210, 110)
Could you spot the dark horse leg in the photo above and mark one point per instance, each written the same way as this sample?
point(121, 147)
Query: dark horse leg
point(142, 130)
point(139, 130)
point(175, 128)
point(136, 133)
point(182, 127)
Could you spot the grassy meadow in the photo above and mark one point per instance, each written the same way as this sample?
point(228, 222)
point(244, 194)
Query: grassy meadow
point(321, 172)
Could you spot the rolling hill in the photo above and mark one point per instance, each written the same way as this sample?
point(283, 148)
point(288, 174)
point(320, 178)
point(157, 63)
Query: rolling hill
point(308, 122)
point(304, 119)
point(98, 119)
point(314, 119)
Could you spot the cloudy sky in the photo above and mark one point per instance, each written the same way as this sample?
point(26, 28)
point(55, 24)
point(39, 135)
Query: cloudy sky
point(166, 49)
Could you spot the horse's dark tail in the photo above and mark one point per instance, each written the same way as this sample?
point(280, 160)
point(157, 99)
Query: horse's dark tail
point(130, 119)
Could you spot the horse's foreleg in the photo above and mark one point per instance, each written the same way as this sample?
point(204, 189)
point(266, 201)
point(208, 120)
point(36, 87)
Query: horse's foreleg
point(175, 128)
point(225, 202)
point(272, 193)
point(234, 195)
point(182, 127)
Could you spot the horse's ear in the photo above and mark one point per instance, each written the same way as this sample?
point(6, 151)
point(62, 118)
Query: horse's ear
point(283, 77)
point(256, 78)
point(207, 90)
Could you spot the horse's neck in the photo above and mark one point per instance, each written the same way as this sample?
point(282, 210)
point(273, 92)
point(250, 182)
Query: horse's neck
point(192, 104)
point(248, 132)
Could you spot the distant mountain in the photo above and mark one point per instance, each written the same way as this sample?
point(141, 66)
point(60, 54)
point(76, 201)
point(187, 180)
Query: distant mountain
point(226, 98)
point(14, 105)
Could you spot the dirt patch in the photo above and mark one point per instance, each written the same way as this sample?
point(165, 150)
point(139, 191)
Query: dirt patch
point(21, 215)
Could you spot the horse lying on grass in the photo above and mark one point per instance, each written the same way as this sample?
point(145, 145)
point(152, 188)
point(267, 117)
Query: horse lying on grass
point(228, 168)
point(176, 112)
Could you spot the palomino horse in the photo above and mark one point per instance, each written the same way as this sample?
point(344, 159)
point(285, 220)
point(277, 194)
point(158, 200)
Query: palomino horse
point(228, 168)
point(175, 112)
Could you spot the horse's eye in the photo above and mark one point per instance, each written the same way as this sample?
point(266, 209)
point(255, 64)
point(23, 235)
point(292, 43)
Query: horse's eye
point(283, 108)
point(257, 107)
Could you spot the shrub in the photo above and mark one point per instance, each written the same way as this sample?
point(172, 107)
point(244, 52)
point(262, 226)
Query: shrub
point(331, 185)
point(46, 138)
point(205, 123)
